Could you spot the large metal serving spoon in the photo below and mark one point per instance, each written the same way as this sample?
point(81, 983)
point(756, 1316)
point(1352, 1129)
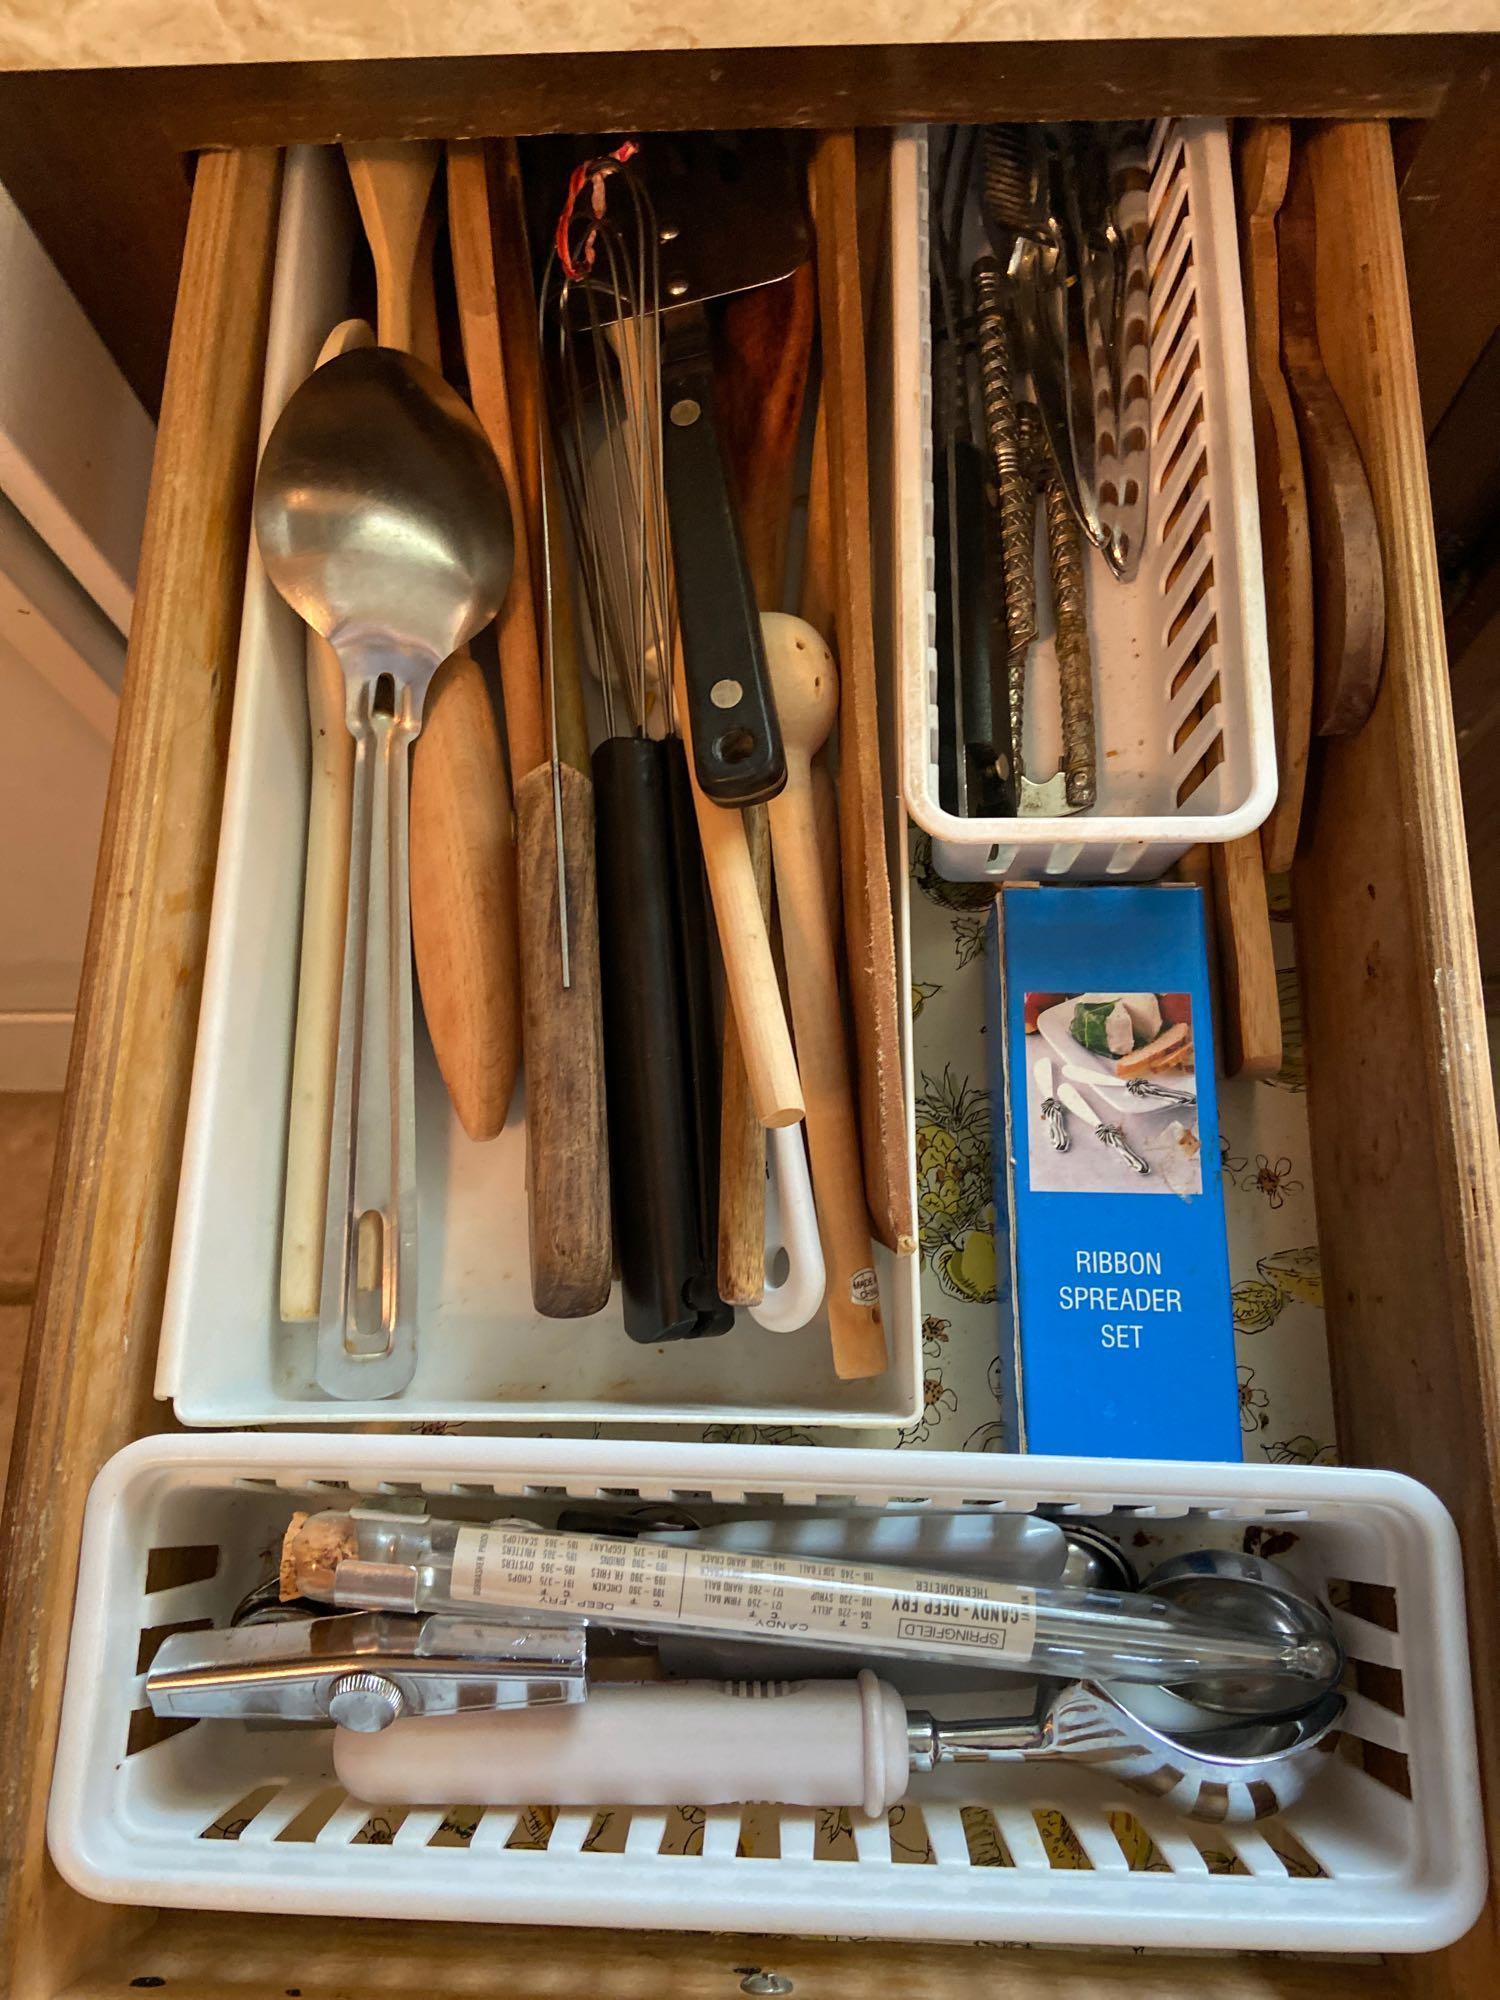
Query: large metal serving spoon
point(383, 520)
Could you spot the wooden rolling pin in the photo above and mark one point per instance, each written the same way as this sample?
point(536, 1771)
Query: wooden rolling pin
point(869, 926)
point(320, 968)
point(463, 867)
point(765, 352)
point(806, 684)
point(566, 1138)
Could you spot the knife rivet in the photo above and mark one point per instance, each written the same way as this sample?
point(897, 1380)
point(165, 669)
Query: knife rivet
point(684, 413)
point(726, 694)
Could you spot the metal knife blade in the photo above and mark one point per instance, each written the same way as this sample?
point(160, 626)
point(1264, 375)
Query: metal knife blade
point(1077, 1103)
point(1077, 1075)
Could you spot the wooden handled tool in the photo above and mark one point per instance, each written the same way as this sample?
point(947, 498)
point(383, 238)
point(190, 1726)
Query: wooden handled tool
point(869, 927)
point(566, 1137)
point(393, 188)
point(462, 846)
point(805, 680)
point(320, 967)
point(765, 352)
point(1241, 967)
point(749, 968)
point(1263, 157)
point(463, 897)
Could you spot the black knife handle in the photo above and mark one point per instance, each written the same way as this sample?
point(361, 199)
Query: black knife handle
point(737, 748)
point(659, 1063)
point(701, 1037)
point(653, 1166)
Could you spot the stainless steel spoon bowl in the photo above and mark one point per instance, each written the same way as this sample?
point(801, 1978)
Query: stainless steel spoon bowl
point(1247, 1595)
point(382, 515)
point(382, 519)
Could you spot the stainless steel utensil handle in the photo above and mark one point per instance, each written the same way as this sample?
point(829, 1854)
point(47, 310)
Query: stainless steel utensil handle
point(367, 1315)
point(1114, 1138)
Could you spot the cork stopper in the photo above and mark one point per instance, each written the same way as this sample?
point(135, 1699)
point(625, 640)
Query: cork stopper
point(311, 1550)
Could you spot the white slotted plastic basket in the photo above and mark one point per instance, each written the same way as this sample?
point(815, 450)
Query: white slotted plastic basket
point(219, 1816)
point(1182, 681)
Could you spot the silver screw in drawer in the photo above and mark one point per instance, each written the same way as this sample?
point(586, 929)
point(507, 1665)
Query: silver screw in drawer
point(765, 1982)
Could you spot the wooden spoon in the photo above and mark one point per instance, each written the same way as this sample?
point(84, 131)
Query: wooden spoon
point(320, 968)
point(806, 684)
point(393, 187)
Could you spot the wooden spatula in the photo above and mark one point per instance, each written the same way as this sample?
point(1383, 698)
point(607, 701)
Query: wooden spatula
point(869, 928)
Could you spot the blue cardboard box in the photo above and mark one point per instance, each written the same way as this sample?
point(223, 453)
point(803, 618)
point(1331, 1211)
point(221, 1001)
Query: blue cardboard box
point(1117, 1333)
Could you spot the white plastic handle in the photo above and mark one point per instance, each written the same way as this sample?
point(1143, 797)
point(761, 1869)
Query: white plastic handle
point(649, 1743)
point(792, 1232)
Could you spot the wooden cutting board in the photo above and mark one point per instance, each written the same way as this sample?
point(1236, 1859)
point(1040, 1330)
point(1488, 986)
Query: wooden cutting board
point(1348, 568)
point(1263, 156)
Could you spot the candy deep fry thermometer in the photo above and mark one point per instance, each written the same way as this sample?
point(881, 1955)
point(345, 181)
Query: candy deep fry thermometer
point(1117, 1335)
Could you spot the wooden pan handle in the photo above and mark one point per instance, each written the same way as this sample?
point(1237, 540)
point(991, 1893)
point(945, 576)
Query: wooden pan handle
point(749, 968)
point(742, 1137)
point(567, 1145)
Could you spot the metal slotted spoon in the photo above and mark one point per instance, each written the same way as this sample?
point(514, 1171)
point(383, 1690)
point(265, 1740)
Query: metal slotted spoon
point(383, 520)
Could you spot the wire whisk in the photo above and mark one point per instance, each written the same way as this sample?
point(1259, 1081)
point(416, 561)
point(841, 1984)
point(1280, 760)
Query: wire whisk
point(600, 303)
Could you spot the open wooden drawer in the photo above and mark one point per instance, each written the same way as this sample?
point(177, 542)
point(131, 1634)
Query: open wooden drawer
point(1405, 1150)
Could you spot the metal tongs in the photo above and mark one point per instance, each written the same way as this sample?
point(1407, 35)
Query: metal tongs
point(1070, 224)
point(365, 1670)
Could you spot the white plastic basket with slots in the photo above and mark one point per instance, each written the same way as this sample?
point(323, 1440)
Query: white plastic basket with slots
point(1182, 683)
point(217, 1815)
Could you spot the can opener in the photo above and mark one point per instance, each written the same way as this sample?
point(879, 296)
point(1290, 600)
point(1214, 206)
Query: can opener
point(365, 1670)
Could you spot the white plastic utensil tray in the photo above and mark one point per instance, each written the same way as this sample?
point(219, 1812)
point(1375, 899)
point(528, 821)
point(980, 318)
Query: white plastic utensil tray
point(218, 1816)
point(485, 1354)
point(1180, 663)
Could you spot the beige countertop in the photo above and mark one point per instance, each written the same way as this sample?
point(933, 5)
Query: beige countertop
point(65, 34)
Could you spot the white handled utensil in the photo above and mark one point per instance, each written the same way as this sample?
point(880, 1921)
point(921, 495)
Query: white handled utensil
point(821, 1743)
point(787, 1304)
point(325, 888)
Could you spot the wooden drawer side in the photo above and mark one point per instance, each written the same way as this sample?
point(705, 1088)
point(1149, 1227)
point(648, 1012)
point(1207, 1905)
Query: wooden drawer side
point(87, 1387)
point(1405, 1154)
